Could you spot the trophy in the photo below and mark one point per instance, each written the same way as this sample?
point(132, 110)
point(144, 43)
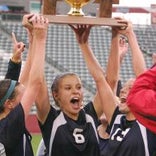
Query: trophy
point(76, 15)
point(76, 7)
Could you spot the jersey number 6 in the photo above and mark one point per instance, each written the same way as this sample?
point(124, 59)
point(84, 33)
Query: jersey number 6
point(79, 138)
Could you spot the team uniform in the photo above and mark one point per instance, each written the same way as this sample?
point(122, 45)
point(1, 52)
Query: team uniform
point(64, 136)
point(41, 150)
point(13, 134)
point(129, 138)
point(2, 150)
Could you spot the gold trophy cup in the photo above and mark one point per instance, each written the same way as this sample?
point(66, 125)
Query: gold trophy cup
point(76, 7)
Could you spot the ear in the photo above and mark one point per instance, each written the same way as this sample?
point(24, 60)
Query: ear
point(9, 104)
point(55, 96)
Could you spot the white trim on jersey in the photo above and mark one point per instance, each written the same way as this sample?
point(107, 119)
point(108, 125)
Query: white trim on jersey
point(60, 120)
point(2, 150)
point(90, 119)
point(24, 144)
point(117, 121)
point(142, 129)
point(144, 137)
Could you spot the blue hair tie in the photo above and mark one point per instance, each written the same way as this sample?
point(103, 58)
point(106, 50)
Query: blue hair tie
point(9, 92)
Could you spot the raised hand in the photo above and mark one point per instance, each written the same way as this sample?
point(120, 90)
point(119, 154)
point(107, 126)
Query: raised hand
point(26, 23)
point(18, 49)
point(82, 32)
point(123, 48)
point(124, 30)
point(40, 25)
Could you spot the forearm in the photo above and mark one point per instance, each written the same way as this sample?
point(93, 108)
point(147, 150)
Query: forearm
point(113, 66)
point(138, 61)
point(37, 65)
point(97, 73)
point(35, 77)
point(25, 72)
point(92, 63)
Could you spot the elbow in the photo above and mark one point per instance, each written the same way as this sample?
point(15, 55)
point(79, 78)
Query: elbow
point(37, 81)
point(99, 80)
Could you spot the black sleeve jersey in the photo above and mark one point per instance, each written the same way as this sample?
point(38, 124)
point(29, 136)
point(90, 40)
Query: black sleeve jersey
point(67, 137)
point(47, 126)
point(89, 109)
point(13, 134)
point(151, 142)
point(13, 71)
point(128, 138)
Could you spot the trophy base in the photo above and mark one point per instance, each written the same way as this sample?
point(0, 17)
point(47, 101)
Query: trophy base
point(95, 21)
point(75, 12)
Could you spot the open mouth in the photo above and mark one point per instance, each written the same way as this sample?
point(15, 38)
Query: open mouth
point(122, 100)
point(74, 100)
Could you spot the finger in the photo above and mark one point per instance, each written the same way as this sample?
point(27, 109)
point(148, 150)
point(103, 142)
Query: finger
point(72, 27)
point(30, 16)
point(33, 17)
point(22, 47)
point(46, 20)
point(89, 27)
point(118, 18)
point(21, 44)
point(123, 27)
point(14, 38)
point(42, 19)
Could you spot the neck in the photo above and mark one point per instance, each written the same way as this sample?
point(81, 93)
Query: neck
point(3, 115)
point(130, 116)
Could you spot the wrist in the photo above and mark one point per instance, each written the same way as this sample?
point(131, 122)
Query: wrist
point(40, 33)
point(17, 61)
point(130, 34)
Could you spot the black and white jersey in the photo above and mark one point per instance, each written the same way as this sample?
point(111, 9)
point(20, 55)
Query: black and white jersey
point(128, 138)
point(13, 134)
point(2, 150)
point(66, 137)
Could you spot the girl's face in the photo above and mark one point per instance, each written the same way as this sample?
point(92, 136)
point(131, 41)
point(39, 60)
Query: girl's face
point(123, 96)
point(70, 95)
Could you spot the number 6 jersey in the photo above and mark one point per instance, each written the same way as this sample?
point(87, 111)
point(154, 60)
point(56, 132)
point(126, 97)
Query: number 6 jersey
point(66, 137)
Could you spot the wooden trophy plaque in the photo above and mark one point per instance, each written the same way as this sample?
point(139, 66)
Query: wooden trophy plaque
point(104, 19)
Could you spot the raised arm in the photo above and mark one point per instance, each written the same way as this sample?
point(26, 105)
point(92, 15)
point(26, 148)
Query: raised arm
point(14, 64)
point(113, 66)
point(25, 72)
point(42, 99)
point(104, 91)
point(35, 75)
point(138, 61)
point(43, 102)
